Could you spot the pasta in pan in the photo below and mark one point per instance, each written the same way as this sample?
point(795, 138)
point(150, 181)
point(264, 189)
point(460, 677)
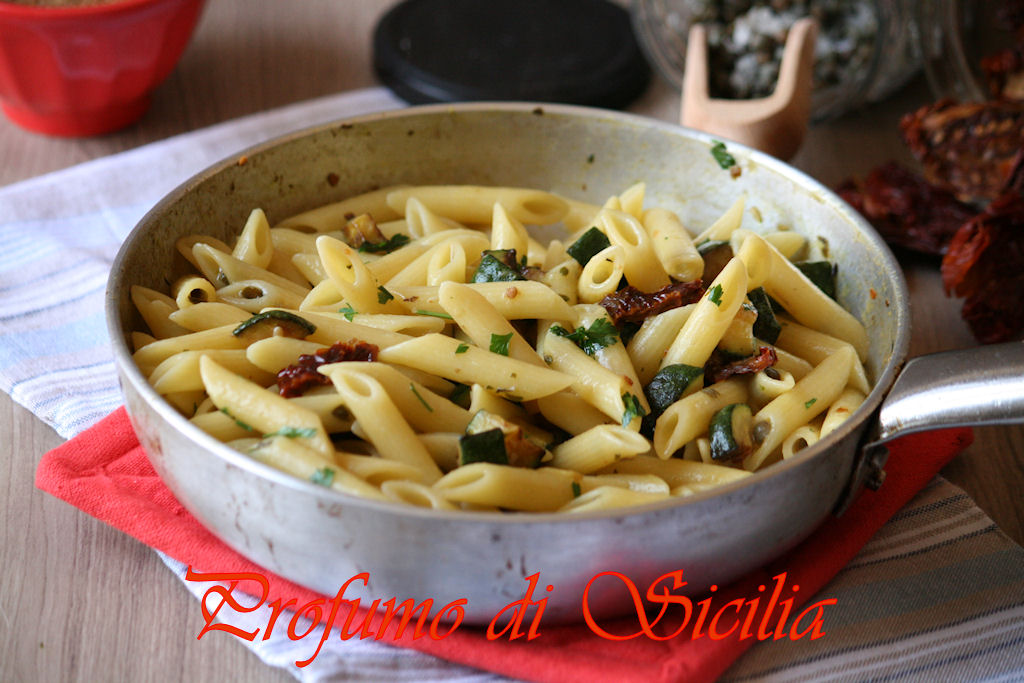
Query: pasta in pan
point(419, 345)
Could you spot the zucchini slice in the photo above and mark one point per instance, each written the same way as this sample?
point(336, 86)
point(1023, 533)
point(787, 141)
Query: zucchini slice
point(486, 446)
point(672, 383)
point(766, 327)
point(262, 325)
point(513, 448)
point(730, 433)
point(716, 254)
point(494, 267)
point(668, 386)
point(588, 244)
point(821, 273)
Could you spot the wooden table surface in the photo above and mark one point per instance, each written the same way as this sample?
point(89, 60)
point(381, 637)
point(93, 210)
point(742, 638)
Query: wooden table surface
point(81, 601)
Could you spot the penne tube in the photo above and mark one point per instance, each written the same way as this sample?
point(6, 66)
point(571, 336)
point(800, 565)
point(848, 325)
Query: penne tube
point(673, 245)
point(383, 421)
point(514, 488)
point(710, 318)
point(795, 293)
point(475, 204)
point(255, 245)
point(640, 264)
point(504, 376)
point(688, 418)
point(597, 448)
point(808, 398)
point(334, 216)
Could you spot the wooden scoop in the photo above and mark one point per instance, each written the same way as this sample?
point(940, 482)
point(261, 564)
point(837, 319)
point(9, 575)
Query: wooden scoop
point(775, 124)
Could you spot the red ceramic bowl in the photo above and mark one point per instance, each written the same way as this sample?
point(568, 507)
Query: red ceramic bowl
point(77, 71)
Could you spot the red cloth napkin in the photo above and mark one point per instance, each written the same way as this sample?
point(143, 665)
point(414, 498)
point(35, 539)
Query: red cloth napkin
point(105, 472)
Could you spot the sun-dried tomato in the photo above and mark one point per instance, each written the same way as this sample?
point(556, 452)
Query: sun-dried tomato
point(629, 304)
point(967, 149)
point(301, 376)
point(717, 369)
point(1004, 73)
point(905, 209)
point(985, 265)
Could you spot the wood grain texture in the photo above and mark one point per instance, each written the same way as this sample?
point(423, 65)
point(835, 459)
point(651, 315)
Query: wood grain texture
point(82, 602)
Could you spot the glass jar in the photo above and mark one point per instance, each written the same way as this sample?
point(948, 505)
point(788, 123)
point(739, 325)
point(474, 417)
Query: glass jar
point(866, 49)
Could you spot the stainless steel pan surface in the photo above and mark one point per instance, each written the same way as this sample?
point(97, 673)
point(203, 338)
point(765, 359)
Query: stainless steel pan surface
point(320, 539)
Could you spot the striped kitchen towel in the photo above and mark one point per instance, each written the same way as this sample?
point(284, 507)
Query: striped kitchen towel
point(938, 594)
point(60, 233)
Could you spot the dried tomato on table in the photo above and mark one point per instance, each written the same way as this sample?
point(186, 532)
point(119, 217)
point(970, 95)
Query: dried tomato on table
point(905, 209)
point(302, 375)
point(969, 148)
point(1004, 73)
point(985, 265)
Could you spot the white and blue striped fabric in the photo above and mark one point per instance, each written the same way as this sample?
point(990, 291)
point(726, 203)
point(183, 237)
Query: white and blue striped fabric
point(938, 594)
point(60, 233)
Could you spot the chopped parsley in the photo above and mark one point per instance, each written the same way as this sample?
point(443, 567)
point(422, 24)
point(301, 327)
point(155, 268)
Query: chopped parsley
point(633, 409)
point(415, 393)
point(348, 312)
point(293, 432)
point(715, 295)
point(810, 403)
point(323, 477)
point(721, 155)
point(237, 421)
point(434, 314)
point(576, 490)
point(462, 348)
point(499, 343)
point(383, 295)
point(385, 247)
point(601, 333)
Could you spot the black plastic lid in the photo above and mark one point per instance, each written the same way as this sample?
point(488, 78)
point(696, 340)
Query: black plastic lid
point(569, 51)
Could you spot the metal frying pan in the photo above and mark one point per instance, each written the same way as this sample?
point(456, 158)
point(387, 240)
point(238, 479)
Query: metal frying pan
point(320, 538)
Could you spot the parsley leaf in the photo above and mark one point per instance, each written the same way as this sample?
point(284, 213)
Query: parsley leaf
point(722, 156)
point(323, 477)
point(462, 348)
point(499, 343)
point(601, 333)
point(633, 409)
point(420, 398)
point(293, 432)
point(383, 295)
point(348, 312)
point(237, 421)
point(385, 247)
point(715, 295)
point(576, 490)
point(810, 403)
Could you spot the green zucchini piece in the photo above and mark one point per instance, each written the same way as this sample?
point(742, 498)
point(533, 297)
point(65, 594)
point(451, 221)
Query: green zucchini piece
point(668, 386)
point(715, 254)
point(517, 449)
point(766, 327)
point(494, 267)
point(821, 273)
point(671, 384)
point(486, 446)
point(261, 326)
point(589, 243)
point(730, 433)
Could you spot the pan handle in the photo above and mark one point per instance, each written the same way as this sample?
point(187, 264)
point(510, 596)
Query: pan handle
point(976, 386)
point(983, 385)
